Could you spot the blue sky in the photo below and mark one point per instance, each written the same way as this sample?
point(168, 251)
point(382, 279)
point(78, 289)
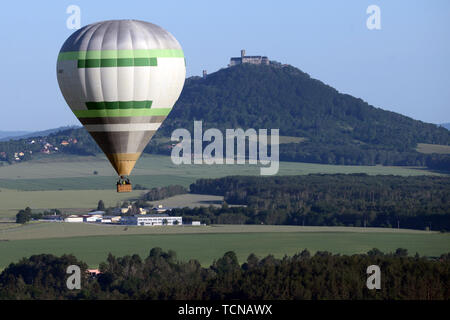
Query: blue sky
point(404, 67)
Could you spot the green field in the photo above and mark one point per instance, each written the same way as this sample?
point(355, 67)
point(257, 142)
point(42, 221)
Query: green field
point(432, 148)
point(153, 170)
point(208, 243)
point(46, 230)
point(69, 182)
point(12, 200)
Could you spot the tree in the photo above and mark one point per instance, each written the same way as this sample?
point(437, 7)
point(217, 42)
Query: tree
point(375, 252)
point(23, 216)
point(165, 222)
point(400, 252)
point(101, 206)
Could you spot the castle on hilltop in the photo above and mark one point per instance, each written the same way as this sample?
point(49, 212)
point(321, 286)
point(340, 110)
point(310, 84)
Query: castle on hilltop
point(248, 59)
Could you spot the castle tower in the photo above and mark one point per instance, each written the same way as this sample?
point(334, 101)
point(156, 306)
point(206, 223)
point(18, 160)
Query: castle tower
point(242, 53)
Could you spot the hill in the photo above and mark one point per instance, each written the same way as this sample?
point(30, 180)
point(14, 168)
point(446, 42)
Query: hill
point(17, 135)
point(445, 125)
point(10, 134)
point(334, 128)
point(339, 128)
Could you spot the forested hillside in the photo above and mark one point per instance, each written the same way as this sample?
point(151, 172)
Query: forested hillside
point(338, 128)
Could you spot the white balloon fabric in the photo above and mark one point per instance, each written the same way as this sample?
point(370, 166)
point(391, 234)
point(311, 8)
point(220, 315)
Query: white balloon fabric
point(121, 79)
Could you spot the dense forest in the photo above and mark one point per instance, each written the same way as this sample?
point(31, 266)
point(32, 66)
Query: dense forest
point(439, 162)
point(419, 202)
point(160, 276)
point(337, 128)
point(160, 193)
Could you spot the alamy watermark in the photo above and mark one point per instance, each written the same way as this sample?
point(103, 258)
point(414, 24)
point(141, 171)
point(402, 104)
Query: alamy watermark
point(374, 279)
point(236, 143)
point(73, 22)
point(373, 22)
point(74, 280)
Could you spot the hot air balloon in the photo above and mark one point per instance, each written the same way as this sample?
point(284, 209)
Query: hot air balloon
point(121, 79)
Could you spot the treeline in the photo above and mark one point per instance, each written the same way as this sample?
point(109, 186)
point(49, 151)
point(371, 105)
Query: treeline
point(160, 193)
point(439, 162)
point(160, 276)
point(328, 200)
point(25, 215)
point(353, 154)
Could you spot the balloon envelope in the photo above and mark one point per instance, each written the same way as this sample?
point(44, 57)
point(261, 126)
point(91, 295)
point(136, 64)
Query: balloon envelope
point(121, 78)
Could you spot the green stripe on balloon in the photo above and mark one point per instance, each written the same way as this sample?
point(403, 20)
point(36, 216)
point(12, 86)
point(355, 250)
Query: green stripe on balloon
point(123, 62)
point(120, 54)
point(146, 104)
point(121, 112)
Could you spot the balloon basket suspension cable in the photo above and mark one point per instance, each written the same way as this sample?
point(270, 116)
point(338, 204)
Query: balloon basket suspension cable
point(124, 185)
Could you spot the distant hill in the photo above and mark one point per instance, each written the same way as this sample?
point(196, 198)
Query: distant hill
point(335, 128)
point(17, 135)
point(10, 134)
point(445, 125)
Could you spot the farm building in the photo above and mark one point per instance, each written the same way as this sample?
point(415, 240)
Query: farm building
point(52, 218)
point(73, 218)
point(99, 218)
point(92, 218)
point(96, 213)
point(152, 220)
point(93, 272)
point(160, 209)
point(113, 219)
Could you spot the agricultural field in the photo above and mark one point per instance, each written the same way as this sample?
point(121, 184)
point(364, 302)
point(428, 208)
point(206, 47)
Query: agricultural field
point(11, 201)
point(68, 200)
point(46, 230)
point(76, 183)
point(153, 171)
point(80, 182)
point(432, 148)
point(206, 243)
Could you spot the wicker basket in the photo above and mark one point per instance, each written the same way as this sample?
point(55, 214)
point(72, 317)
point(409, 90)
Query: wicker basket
point(124, 188)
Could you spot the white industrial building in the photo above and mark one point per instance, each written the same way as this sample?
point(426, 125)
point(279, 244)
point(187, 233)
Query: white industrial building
point(96, 218)
point(73, 218)
point(152, 220)
point(96, 213)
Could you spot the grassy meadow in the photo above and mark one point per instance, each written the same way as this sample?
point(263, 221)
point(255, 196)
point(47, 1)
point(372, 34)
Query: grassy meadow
point(208, 243)
point(432, 148)
point(70, 182)
point(77, 173)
